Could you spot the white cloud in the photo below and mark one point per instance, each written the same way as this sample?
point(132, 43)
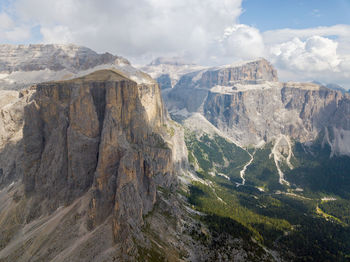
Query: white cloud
point(57, 35)
point(242, 42)
point(321, 53)
point(204, 31)
point(5, 21)
point(17, 34)
point(316, 53)
point(339, 32)
point(10, 32)
point(134, 28)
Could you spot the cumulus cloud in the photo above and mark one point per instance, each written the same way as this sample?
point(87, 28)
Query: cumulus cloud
point(134, 28)
point(321, 53)
point(203, 31)
point(316, 53)
point(242, 42)
point(5, 21)
point(56, 34)
point(339, 32)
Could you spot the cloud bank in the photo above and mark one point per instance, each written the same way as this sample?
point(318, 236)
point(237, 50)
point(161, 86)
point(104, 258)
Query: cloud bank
point(204, 31)
point(134, 28)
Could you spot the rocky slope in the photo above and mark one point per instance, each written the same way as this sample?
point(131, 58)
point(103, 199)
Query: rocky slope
point(249, 105)
point(89, 173)
point(93, 152)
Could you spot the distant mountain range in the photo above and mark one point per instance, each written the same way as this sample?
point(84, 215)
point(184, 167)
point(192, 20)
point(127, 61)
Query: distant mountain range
point(98, 162)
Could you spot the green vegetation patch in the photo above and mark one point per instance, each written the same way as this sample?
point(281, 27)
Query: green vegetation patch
point(296, 223)
point(216, 154)
point(318, 173)
point(262, 172)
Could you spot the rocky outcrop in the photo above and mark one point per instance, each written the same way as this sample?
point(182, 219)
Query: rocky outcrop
point(192, 88)
point(12, 105)
point(249, 72)
point(250, 106)
point(164, 81)
point(82, 163)
point(101, 131)
point(250, 116)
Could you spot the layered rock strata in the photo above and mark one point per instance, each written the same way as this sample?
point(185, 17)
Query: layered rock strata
point(249, 105)
point(101, 131)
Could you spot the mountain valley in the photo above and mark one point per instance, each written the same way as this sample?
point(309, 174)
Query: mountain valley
point(99, 162)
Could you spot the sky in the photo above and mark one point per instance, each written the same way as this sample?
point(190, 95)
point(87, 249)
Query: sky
point(305, 40)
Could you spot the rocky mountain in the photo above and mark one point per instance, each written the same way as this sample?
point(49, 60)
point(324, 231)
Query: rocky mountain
point(24, 65)
point(92, 168)
point(249, 105)
point(336, 87)
point(272, 156)
point(53, 57)
point(167, 71)
point(90, 152)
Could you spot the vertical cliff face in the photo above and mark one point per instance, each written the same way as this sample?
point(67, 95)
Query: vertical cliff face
point(11, 125)
point(103, 133)
point(248, 104)
point(300, 111)
point(259, 70)
point(192, 88)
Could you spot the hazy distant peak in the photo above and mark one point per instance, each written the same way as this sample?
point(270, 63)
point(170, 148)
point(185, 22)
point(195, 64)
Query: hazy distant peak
point(55, 57)
point(176, 61)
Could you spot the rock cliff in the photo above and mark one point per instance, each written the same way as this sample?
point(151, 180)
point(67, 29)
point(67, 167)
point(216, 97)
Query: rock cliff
point(96, 131)
point(92, 151)
point(12, 105)
point(192, 88)
point(249, 105)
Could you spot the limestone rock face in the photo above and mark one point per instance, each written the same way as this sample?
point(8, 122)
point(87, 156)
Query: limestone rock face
point(192, 88)
point(101, 131)
point(11, 125)
point(250, 72)
point(250, 106)
point(252, 116)
point(164, 81)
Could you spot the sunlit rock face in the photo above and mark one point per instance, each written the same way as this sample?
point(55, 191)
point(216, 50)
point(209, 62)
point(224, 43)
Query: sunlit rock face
point(95, 132)
point(248, 104)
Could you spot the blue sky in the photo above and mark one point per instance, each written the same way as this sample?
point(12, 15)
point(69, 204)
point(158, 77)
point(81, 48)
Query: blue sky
point(298, 14)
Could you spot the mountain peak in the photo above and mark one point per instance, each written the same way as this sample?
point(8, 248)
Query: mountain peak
point(56, 57)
